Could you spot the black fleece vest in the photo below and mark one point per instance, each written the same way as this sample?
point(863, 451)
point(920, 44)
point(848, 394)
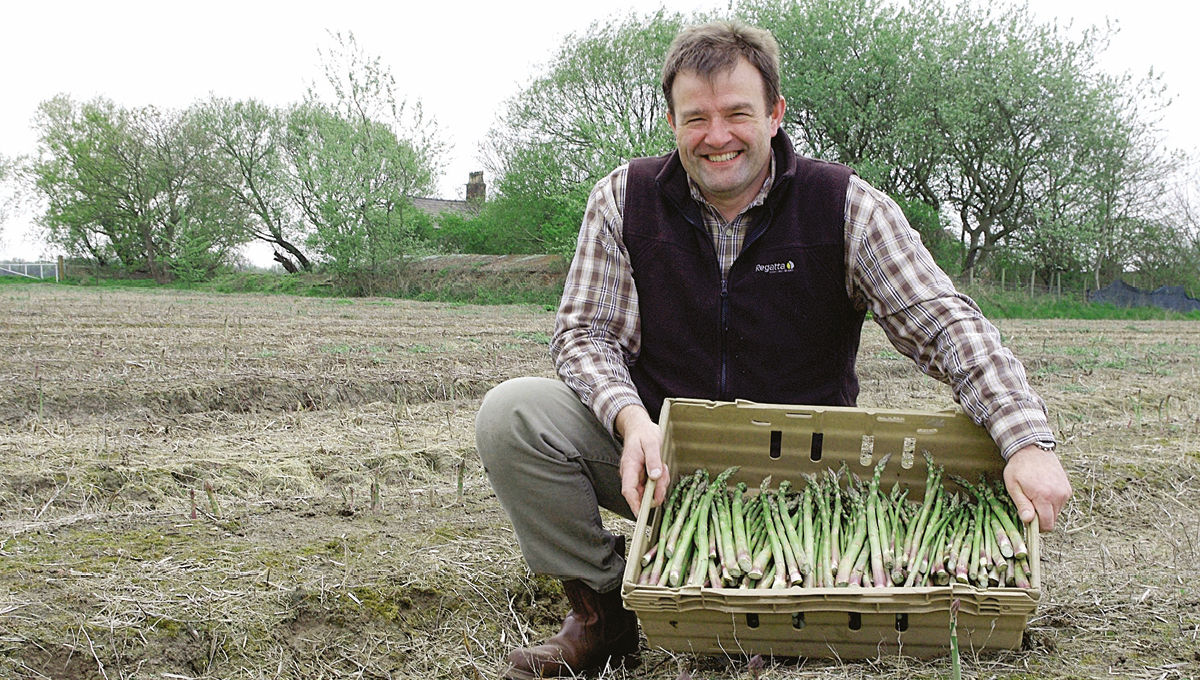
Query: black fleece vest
point(781, 329)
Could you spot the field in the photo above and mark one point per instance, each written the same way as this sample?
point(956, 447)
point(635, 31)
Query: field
point(240, 486)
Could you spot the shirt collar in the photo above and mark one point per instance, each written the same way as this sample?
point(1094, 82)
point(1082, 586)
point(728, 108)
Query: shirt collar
point(758, 199)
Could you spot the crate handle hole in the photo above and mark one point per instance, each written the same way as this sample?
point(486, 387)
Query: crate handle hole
point(818, 439)
point(798, 621)
point(752, 620)
point(855, 621)
point(776, 444)
point(901, 622)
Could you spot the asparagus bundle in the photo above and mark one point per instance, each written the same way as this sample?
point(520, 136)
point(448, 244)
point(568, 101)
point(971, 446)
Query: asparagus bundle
point(835, 530)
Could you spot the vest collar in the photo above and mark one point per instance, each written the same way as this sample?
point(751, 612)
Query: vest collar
point(672, 180)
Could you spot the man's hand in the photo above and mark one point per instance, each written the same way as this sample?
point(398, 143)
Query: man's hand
point(641, 459)
point(1038, 485)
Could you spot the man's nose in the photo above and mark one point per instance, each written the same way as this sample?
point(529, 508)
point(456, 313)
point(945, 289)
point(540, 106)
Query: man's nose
point(718, 134)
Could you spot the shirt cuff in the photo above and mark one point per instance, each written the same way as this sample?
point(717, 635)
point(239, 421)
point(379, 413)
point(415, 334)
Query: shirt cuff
point(608, 402)
point(1017, 425)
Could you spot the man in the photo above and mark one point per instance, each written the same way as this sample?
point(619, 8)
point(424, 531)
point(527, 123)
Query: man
point(731, 268)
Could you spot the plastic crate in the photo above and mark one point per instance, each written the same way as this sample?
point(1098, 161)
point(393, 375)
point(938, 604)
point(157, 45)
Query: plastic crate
point(844, 622)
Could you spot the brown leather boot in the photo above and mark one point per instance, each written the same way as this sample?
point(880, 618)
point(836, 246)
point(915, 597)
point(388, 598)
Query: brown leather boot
point(597, 628)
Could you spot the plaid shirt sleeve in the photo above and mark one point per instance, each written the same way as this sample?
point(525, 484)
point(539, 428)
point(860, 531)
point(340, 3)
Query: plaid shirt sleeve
point(891, 273)
point(597, 331)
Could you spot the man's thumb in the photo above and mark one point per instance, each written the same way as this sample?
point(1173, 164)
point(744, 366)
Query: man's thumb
point(1025, 509)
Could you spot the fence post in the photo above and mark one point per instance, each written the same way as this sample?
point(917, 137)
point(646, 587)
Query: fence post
point(1003, 272)
point(1032, 276)
point(60, 272)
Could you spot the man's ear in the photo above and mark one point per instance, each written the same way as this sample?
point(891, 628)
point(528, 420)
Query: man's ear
point(671, 120)
point(777, 115)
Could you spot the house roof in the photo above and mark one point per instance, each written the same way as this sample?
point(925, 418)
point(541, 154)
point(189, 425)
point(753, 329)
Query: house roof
point(437, 206)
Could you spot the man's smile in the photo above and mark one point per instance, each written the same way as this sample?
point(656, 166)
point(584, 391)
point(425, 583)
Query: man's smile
point(722, 157)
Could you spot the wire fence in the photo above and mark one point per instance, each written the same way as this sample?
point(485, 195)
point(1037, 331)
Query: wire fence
point(1032, 286)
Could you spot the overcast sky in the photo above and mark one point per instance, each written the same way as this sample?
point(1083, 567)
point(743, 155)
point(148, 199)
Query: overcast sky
point(462, 59)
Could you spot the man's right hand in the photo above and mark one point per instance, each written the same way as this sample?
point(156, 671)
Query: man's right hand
point(641, 457)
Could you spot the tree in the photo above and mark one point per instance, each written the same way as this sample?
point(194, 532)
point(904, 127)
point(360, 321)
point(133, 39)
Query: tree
point(1001, 120)
point(1176, 259)
point(596, 104)
point(123, 187)
point(249, 164)
point(1009, 101)
point(10, 188)
point(847, 74)
point(357, 161)
point(352, 185)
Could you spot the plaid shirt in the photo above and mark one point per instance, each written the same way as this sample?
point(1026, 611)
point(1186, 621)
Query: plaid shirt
point(597, 333)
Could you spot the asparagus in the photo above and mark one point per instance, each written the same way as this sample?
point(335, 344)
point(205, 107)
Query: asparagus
point(728, 541)
point(741, 546)
point(809, 537)
point(791, 536)
point(821, 534)
point(874, 526)
point(1010, 527)
point(856, 544)
point(677, 528)
point(932, 487)
point(836, 514)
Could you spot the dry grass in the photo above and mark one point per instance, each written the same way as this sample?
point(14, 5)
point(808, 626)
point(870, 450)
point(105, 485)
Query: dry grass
point(117, 408)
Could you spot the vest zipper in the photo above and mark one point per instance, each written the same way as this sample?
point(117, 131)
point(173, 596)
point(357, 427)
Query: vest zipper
point(751, 237)
point(723, 350)
point(724, 378)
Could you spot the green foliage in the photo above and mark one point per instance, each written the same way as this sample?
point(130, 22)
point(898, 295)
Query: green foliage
point(926, 219)
point(596, 104)
point(10, 187)
point(847, 74)
point(1007, 121)
point(126, 187)
point(175, 193)
point(305, 285)
point(194, 260)
point(354, 178)
point(514, 225)
point(980, 115)
point(356, 162)
point(248, 164)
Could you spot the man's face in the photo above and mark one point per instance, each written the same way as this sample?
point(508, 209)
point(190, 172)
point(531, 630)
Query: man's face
point(723, 128)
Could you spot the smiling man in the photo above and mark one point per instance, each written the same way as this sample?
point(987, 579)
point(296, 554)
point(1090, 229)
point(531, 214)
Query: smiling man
point(731, 268)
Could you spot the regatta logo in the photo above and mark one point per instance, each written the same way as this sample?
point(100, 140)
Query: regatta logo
point(775, 267)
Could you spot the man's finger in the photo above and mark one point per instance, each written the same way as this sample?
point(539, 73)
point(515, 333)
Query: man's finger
point(1025, 509)
point(634, 499)
point(1045, 514)
point(660, 486)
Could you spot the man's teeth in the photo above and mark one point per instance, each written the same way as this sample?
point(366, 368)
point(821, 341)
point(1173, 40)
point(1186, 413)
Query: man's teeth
point(720, 158)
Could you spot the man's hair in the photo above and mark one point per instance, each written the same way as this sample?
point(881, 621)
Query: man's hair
point(709, 49)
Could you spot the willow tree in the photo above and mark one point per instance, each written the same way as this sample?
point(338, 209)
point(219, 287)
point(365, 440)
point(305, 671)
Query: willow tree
point(248, 163)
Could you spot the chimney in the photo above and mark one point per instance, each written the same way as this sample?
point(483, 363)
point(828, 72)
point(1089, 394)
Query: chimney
point(476, 189)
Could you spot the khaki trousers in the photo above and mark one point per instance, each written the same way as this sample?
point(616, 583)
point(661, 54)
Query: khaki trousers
point(553, 465)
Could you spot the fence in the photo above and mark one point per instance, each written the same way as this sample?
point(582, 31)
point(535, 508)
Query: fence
point(33, 270)
point(1028, 284)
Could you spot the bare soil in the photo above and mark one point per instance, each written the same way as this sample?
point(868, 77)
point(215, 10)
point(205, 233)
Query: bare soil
point(241, 486)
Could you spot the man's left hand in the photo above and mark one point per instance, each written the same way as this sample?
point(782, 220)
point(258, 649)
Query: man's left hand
point(1038, 485)
point(641, 457)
